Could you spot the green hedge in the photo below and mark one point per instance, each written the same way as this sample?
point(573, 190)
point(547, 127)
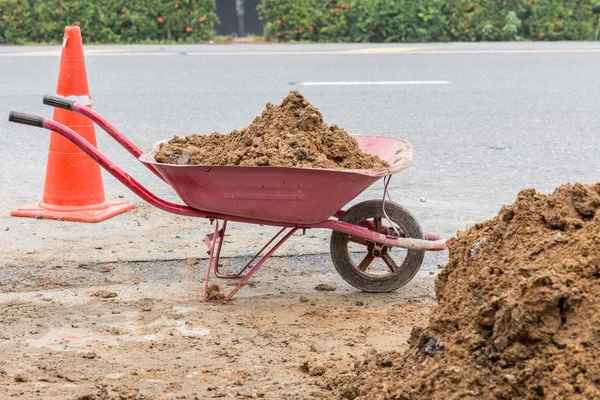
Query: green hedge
point(107, 21)
point(429, 20)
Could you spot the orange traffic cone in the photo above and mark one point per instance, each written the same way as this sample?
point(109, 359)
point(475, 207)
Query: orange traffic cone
point(73, 189)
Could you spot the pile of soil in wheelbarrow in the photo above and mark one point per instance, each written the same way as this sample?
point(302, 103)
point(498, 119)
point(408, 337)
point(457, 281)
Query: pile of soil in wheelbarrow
point(292, 134)
point(518, 314)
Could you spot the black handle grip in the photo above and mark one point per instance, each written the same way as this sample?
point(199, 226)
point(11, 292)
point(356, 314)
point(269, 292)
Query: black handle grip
point(59, 102)
point(26, 119)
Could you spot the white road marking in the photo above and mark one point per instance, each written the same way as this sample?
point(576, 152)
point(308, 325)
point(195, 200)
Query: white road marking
point(381, 50)
point(358, 83)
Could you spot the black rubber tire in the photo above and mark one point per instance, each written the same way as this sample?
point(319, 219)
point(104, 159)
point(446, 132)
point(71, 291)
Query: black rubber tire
point(346, 267)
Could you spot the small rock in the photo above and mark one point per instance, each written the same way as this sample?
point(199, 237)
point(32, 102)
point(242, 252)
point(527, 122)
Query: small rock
point(305, 367)
point(324, 287)
point(316, 370)
point(559, 238)
point(98, 247)
point(104, 294)
point(20, 378)
point(7, 228)
point(190, 262)
point(473, 252)
point(89, 355)
point(301, 153)
point(311, 300)
point(105, 269)
point(360, 303)
point(430, 346)
point(422, 199)
point(120, 196)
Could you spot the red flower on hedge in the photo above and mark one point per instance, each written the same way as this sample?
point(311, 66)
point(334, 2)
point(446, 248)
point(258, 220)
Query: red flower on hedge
point(542, 35)
point(15, 11)
point(4, 17)
point(574, 22)
point(201, 19)
point(310, 28)
point(591, 29)
point(337, 11)
point(188, 29)
point(278, 22)
point(176, 5)
point(528, 4)
point(123, 15)
point(20, 21)
point(77, 23)
point(160, 20)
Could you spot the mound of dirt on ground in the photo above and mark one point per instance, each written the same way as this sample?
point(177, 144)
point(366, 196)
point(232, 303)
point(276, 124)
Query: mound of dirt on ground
point(518, 312)
point(291, 134)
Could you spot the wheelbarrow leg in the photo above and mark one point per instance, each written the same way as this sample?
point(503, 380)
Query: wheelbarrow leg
point(215, 252)
point(218, 273)
point(211, 253)
point(210, 241)
point(262, 260)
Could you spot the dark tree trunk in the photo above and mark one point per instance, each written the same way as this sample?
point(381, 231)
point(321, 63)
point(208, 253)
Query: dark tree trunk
point(239, 9)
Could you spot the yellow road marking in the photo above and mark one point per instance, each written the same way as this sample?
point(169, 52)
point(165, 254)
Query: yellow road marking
point(362, 51)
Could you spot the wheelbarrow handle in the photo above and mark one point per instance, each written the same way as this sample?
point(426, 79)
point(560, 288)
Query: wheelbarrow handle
point(59, 102)
point(106, 126)
point(94, 153)
point(26, 119)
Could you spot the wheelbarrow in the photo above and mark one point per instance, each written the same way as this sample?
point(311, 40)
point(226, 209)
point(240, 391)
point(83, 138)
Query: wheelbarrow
point(376, 245)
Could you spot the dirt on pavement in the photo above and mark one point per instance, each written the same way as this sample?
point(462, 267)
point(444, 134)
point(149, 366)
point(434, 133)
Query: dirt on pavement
point(292, 134)
point(142, 330)
point(518, 314)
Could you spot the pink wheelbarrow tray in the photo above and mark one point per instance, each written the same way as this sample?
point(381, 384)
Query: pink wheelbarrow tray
point(291, 198)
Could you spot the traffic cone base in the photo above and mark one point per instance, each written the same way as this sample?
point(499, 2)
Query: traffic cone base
point(95, 213)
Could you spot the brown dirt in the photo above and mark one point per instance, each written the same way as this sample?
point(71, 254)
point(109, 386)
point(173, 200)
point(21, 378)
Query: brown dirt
point(518, 313)
point(213, 292)
point(291, 134)
point(158, 339)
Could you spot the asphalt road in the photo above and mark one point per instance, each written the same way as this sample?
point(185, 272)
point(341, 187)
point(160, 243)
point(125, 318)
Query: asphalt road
point(513, 116)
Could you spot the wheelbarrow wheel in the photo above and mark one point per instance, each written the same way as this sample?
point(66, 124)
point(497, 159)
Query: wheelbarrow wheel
point(354, 258)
